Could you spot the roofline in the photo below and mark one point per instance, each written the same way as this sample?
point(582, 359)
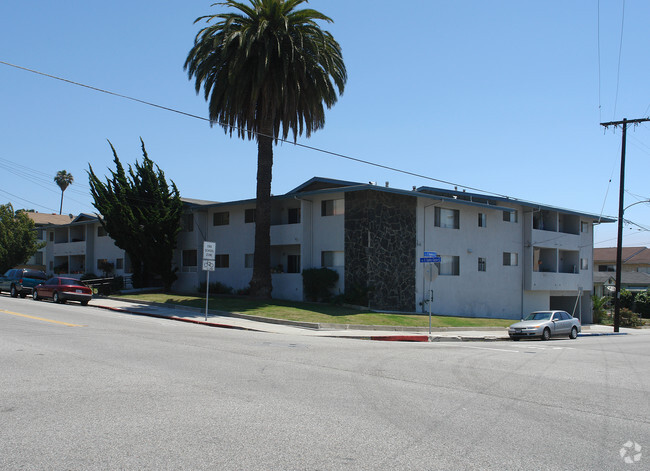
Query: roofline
point(530, 204)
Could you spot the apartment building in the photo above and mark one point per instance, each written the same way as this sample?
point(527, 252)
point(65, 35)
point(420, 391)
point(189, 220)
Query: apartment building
point(499, 257)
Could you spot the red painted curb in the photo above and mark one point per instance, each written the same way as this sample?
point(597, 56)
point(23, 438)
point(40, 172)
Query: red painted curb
point(402, 338)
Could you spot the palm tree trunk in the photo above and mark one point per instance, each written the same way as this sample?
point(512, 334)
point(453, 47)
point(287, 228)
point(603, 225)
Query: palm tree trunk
point(61, 207)
point(261, 285)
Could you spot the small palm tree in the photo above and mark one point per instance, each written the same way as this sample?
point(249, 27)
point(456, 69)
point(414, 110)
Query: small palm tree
point(266, 70)
point(63, 179)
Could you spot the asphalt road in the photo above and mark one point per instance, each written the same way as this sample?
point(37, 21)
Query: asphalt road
point(84, 388)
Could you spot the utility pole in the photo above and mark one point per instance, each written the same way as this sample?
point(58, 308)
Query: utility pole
point(621, 210)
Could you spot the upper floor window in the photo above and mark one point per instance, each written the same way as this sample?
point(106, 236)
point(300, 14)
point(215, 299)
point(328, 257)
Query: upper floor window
point(187, 222)
point(584, 226)
point(332, 207)
point(482, 220)
point(510, 259)
point(584, 264)
point(249, 215)
point(449, 218)
point(221, 218)
point(510, 216)
point(294, 216)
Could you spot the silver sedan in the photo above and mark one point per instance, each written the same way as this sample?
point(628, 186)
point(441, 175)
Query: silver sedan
point(545, 324)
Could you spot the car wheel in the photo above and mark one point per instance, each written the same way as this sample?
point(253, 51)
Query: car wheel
point(13, 292)
point(57, 299)
point(35, 295)
point(574, 333)
point(546, 334)
point(84, 303)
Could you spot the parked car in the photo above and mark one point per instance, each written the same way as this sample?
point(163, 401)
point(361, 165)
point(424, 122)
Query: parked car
point(21, 281)
point(62, 289)
point(546, 324)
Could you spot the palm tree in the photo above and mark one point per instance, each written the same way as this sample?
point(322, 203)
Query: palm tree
point(266, 70)
point(63, 179)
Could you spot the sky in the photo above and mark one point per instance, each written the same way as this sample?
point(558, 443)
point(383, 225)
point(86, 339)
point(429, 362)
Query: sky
point(505, 97)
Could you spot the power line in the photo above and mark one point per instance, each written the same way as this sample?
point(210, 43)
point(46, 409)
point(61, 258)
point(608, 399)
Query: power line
point(244, 130)
point(27, 201)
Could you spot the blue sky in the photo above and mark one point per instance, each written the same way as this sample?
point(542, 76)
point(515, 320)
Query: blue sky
point(503, 96)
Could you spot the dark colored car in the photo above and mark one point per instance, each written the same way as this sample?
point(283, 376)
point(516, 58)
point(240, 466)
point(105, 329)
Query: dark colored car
point(21, 281)
point(62, 289)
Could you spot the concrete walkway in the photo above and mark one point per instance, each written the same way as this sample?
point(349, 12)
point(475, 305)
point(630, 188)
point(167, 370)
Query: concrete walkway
point(386, 333)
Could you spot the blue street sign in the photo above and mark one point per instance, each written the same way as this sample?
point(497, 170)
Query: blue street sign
point(437, 259)
point(429, 259)
point(430, 254)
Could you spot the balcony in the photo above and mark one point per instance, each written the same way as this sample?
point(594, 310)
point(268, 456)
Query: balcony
point(69, 248)
point(286, 234)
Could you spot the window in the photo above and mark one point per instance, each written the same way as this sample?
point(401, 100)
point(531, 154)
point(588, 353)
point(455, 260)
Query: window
point(584, 226)
point(510, 216)
point(611, 268)
point(189, 260)
point(293, 263)
point(294, 215)
point(448, 218)
point(482, 220)
point(510, 259)
point(101, 263)
point(332, 259)
point(221, 219)
point(101, 231)
point(187, 222)
point(249, 216)
point(482, 264)
point(222, 261)
point(332, 207)
point(584, 264)
point(119, 264)
point(51, 236)
point(449, 265)
point(248, 260)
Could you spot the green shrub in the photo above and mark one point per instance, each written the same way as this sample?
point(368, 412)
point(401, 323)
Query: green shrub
point(627, 299)
point(318, 283)
point(599, 304)
point(642, 304)
point(215, 288)
point(630, 319)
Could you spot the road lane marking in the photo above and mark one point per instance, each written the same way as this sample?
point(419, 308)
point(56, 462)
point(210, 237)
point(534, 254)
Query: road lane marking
point(40, 319)
point(494, 349)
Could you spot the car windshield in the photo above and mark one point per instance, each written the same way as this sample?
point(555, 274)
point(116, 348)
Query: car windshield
point(538, 316)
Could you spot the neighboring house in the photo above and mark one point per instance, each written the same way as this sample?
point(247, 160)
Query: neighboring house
point(41, 221)
point(635, 269)
point(82, 246)
point(500, 257)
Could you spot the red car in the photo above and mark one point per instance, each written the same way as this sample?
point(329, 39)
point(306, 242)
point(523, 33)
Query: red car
point(63, 289)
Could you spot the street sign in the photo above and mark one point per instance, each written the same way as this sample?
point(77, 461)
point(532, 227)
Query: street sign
point(430, 254)
point(429, 259)
point(209, 250)
point(437, 259)
point(208, 265)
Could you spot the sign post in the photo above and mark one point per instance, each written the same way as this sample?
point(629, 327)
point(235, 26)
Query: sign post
point(430, 272)
point(209, 249)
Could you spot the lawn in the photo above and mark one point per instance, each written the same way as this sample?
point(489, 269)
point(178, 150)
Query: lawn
point(315, 312)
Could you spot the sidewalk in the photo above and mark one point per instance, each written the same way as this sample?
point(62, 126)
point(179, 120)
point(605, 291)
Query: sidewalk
point(259, 324)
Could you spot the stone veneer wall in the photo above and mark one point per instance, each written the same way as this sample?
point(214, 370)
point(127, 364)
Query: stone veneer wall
point(380, 232)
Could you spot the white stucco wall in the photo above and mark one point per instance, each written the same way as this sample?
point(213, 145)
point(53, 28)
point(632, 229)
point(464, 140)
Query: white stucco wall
point(497, 292)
